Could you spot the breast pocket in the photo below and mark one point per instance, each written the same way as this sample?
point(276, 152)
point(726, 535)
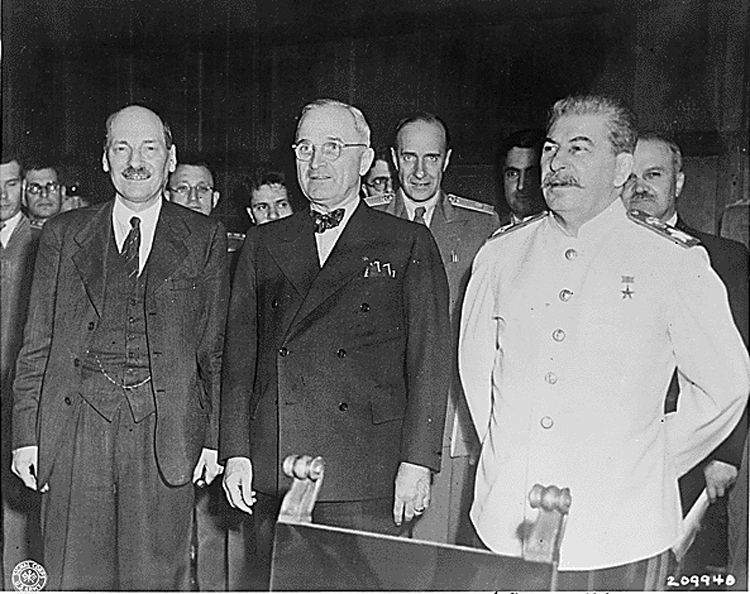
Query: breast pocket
point(385, 407)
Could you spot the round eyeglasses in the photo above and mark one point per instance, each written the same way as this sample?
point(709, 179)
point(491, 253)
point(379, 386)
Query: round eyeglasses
point(200, 190)
point(49, 188)
point(330, 150)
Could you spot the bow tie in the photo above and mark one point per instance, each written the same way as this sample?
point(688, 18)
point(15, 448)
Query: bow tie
point(324, 221)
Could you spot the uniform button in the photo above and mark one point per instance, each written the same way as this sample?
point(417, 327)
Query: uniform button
point(283, 351)
point(546, 422)
point(565, 295)
point(571, 254)
point(550, 377)
point(341, 353)
point(67, 400)
point(133, 301)
point(343, 406)
point(274, 304)
point(92, 325)
point(131, 319)
point(76, 362)
point(364, 307)
point(558, 335)
point(131, 355)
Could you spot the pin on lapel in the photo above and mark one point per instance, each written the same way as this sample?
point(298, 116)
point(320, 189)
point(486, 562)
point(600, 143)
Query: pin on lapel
point(627, 292)
point(454, 257)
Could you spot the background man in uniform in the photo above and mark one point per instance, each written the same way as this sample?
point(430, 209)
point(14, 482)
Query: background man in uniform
point(116, 394)
point(20, 511)
point(654, 187)
point(42, 192)
point(460, 226)
point(380, 180)
point(336, 346)
point(518, 163)
point(573, 323)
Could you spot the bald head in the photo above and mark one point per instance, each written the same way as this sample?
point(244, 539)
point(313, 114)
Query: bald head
point(139, 155)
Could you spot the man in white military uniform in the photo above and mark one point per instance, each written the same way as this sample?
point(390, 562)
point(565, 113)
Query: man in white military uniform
point(572, 325)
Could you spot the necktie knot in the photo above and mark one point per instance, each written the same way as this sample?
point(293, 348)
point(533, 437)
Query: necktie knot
point(324, 221)
point(419, 215)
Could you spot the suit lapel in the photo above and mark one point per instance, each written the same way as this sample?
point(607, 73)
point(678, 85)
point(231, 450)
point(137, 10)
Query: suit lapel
point(397, 208)
point(168, 249)
point(345, 262)
point(295, 252)
point(94, 241)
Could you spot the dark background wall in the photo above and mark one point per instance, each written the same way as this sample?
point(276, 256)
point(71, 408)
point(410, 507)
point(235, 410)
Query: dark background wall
point(231, 76)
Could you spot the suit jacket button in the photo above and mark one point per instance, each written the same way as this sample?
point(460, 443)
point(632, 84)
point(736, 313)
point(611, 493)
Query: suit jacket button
point(76, 362)
point(283, 351)
point(343, 406)
point(67, 400)
point(274, 304)
point(341, 353)
point(364, 307)
point(92, 325)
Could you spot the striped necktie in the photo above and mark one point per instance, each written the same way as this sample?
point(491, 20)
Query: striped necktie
point(131, 247)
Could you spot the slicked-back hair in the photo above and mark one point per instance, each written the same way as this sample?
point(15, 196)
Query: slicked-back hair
point(525, 139)
point(167, 131)
point(621, 122)
point(35, 162)
point(360, 122)
point(670, 144)
point(428, 118)
point(265, 176)
point(11, 153)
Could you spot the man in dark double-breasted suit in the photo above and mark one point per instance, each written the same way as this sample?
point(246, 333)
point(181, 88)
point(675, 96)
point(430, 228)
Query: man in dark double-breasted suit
point(117, 384)
point(338, 344)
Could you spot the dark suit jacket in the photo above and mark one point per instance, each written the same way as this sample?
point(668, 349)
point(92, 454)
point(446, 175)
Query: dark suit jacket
point(350, 361)
point(186, 302)
point(730, 261)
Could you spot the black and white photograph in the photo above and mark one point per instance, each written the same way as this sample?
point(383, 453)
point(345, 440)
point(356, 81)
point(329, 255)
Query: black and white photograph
point(408, 295)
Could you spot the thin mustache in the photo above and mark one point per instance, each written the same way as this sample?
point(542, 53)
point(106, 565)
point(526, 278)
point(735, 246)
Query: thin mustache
point(567, 180)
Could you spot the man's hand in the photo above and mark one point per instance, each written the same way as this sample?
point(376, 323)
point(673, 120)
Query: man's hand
point(208, 468)
point(238, 483)
point(719, 477)
point(24, 466)
point(412, 492)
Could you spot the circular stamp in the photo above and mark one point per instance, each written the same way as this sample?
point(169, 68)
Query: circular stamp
point(28, 576)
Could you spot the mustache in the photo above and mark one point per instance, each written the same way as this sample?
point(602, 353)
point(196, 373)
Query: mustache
point(562, 179)
point(140, 172)
point(643, 194)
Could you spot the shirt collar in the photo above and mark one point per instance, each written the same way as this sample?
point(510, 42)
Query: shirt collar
point(12, 223)
point(600, 225)
point(122, 213)
point(672, 221)
point(412, 205)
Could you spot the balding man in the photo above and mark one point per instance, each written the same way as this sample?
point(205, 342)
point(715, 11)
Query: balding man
point(117, 384)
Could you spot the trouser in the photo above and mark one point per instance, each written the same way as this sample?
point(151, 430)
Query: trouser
point(211, 519)
point(20, 526)
point(371, 515)
point(110, 522)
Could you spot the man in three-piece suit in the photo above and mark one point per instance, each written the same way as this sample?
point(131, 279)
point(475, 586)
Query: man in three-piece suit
point(654, 187)
point(338, 344)
point(117, 384)
point(460, 226)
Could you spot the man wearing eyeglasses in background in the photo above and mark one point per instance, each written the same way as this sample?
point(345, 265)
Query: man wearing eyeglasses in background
point(336, 344)
point(192, 186)
point(42, 192)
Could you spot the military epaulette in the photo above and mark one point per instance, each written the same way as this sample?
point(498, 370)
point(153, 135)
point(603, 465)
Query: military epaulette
point(461, 202)
point(505, 229)
point(36, 224)
point(234, 241)
point(379, 200)
point(658, 226)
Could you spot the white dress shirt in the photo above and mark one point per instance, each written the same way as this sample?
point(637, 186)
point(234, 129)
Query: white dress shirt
point(8, 227)
point(121, 215)
point(326, 241)
point(566, 352)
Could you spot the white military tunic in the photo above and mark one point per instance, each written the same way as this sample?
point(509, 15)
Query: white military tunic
point(567, 348)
